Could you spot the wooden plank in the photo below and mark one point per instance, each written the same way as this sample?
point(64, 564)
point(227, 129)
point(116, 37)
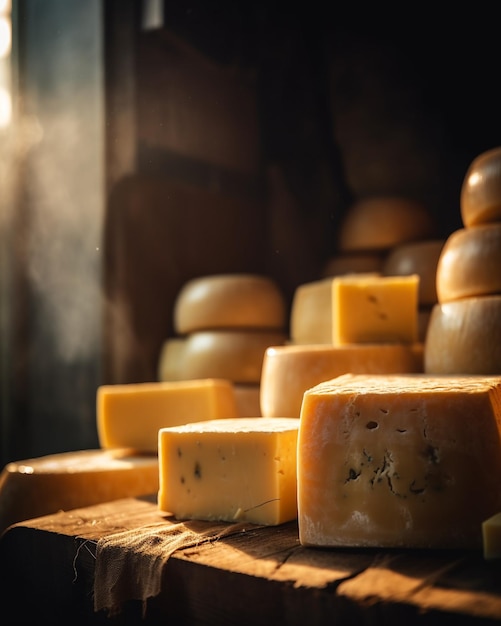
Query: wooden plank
point(257, 574)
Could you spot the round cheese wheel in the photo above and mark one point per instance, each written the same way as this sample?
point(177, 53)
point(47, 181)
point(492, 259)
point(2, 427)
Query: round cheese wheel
point(421, 258)
point(464, 337)
point(288, 371)
point(235, 355)
point(248, 400)
point(353, 263)
point(470, 263)
point(170, 357)
point(480, 199)
point(380, 223)
point(229, 301)
point(311, 313)
point(47, 484)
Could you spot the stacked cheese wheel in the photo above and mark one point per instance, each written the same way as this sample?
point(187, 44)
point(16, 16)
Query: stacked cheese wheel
point(223, 324)
point(464, 331)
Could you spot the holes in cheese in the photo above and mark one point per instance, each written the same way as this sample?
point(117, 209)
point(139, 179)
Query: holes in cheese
point(464, 337)
point(470, 263)
point(130, 415)
point(375, 309)
point(480, 199)
point(288, 371)
point(421, 258)
point(229, 301)
point(230, 470)
point(380, 223)
point(48, 484)
point(399, 461)
point(231, 354)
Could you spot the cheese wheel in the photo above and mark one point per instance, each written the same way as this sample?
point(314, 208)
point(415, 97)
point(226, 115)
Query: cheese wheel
point(229, 301)
point(353, 263)
point(421, 258)
point(424, 314)
point(170, 357)
point(480, 199)
point(491, 537)
point(248, 400)
point(288, 371)
point(464, 337)
point(48, 484)
point(407, 461)
point(231, 470)
point(380, 223)
point(470, 263)
point(230, 354)
point(311, 313)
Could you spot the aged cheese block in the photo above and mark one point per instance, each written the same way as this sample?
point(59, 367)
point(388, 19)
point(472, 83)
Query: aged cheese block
point(130, 415)
point(464, 337)
point(229, 301)
point(375, 309)
point(399, 461)
point(380, 223)
point(230, 470)
point(470, 263)
point(288, 371)
point(353, 263)
point(170, 357)
point(480, 199)
point(311, 313)
point(248, 400)
point(236, 355)
point(421, 258)
point(48, 484)
point(491, 537)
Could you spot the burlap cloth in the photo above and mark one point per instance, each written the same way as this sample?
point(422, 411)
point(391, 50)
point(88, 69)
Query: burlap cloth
point(129, 564)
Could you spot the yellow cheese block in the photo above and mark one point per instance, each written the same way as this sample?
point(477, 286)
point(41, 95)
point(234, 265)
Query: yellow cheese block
point(380, 223)
point(399, 461)
point(375, 309)
point(230, 470)
point(288, 371)
point(231, 354)
point(61, 482)
point(491, 537)
point(130, 415)
point(470, 263)
point(170, 357)
point(311, 313)
point(248, 400)
point(353, 263)
point(480, 199)
point(229, 301)
point(421, 258)
point(464, 337)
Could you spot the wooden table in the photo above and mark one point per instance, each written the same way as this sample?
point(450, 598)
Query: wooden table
point(258, 576)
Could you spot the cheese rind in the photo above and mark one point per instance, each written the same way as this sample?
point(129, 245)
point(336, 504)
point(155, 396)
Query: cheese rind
point(399, 461)
point(480, 199)
point(229, 301)
point(45, 485)
point(130, 415)
point(464, 337)
point(169, 360)
point(230, 470)
point(311, 313)
point(234, 355)
point(470, 263)
point(288, 371)
point(375, 309)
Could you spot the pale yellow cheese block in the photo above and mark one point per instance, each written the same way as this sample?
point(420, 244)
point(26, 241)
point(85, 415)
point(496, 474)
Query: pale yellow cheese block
point(408, 461)
point(60, 482)
point(229, 301)
point(130, 415)
point(248, 400)
point(235, 355)
point(169, 360)
point(491, 537)
point(375, 309)
point(230, 470)
point(464, 337)
point(470, 263)
point(480, 199)
point(288, 371)
point(311, 313)
point(353, 263)
point(380, 223)
point(418, 257)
